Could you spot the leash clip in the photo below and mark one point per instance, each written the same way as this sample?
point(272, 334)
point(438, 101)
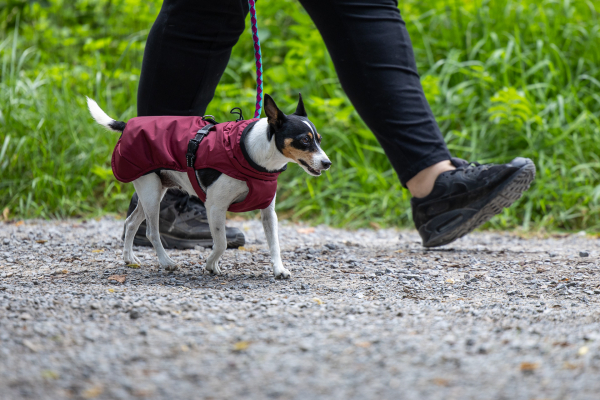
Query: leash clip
point(233, 111)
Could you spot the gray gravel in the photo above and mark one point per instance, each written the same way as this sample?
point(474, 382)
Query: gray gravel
point(366, 315)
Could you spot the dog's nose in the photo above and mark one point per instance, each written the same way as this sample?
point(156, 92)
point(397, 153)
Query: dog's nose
point(326, 164)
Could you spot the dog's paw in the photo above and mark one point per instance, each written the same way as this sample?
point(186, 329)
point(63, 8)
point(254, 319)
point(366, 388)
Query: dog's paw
point(213, 269)
point(283, 274)
point(131, 259)
point(168, 264)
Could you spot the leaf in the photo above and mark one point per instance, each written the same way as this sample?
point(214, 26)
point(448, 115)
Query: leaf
point(568, 365)
point(5, 213)
point(440, 381)
point(97, 251)
point(305, 231)
point(529, 367)
point(364, 345)
point(241, 345)
point(102, 173)
point(41, 241)
point(375, 225)
point(449, 280)
point(318, 301)
point(134, 266)
point(249, 248)
point(118, 278)
point(50, 374)
point(92, 392)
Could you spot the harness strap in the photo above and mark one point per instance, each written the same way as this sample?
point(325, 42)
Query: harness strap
point(193, 145)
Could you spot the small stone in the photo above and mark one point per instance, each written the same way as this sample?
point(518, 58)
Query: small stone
point(134, 314)
point(230, 318)
point(560, 286)
point(26, 317)
point(239, 297)
point(303, 286)
point(584, 254)
point(6, 241)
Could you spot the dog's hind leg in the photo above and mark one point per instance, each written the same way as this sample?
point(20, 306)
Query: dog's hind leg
point(269, 221)
point(132, 223)
point(150, 192)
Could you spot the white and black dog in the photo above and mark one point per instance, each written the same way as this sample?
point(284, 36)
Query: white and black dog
point(271, 143)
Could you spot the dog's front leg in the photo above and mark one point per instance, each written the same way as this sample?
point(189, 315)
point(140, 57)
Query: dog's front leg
point(216, 221)
point(269, 221)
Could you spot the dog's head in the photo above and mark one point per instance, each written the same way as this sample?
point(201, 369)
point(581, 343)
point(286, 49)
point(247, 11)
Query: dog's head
point(296, 137)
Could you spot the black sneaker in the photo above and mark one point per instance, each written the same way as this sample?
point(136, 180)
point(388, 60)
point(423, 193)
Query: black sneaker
point(183, 224)
point(467, 197)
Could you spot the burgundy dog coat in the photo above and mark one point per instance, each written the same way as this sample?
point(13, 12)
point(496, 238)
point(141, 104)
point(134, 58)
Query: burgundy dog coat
point(151, 143)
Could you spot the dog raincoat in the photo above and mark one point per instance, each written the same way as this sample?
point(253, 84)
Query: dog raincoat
point(152, 143)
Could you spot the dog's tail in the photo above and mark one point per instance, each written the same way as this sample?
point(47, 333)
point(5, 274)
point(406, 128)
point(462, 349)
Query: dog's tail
point(103, 119)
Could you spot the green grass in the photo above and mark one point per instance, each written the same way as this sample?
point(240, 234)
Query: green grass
point(504, 78)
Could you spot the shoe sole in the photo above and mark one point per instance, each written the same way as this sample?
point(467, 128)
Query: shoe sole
point(453, 225)
point(171, 242)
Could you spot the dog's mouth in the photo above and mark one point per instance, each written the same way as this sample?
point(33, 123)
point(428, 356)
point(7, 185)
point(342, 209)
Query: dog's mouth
point(311, 170)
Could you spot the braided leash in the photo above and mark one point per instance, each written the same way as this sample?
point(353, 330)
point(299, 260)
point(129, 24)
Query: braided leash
point(258, 57)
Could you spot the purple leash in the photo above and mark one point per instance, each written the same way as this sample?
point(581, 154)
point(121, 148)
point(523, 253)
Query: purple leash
point(258, 57)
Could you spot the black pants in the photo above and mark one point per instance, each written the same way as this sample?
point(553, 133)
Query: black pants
point(190, 44)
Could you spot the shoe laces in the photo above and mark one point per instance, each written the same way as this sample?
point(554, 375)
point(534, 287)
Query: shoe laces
point(185, 204)
point(463, 165)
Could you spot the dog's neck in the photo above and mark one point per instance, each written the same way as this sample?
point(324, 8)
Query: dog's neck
point(262, 151)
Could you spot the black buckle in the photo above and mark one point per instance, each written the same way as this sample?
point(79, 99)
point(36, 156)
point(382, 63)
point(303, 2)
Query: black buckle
point(190, 156)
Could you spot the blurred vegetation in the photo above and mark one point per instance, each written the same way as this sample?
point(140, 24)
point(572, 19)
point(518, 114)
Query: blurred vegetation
point(504, 78)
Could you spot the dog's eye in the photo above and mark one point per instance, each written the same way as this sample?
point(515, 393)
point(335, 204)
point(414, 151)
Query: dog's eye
point(318, 138)
point(305, 140)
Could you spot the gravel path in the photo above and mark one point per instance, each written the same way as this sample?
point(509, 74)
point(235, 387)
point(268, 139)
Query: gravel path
point(366, 315)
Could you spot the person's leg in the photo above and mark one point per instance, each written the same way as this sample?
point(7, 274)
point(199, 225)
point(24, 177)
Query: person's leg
point(186, 54)
point(373, 56)
point(374, 60)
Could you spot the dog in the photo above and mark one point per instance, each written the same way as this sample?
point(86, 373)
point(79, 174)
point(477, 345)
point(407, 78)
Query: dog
point(268, 145)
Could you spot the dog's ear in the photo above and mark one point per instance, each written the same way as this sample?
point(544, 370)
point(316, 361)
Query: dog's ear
point(275, 116)
point(300, 111)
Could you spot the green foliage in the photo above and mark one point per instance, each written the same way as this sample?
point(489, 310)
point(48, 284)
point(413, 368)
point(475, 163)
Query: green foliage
point(504, 78)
